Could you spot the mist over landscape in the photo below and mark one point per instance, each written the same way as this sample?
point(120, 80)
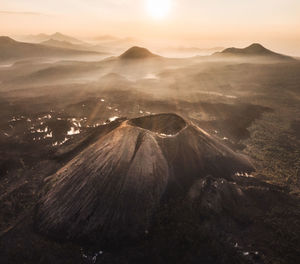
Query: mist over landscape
point(149, 132)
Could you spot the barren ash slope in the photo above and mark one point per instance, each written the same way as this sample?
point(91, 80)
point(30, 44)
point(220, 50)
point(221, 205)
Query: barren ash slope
point(114, 186)
point(111, 189)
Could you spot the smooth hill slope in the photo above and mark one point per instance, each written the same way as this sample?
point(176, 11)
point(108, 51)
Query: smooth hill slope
point(254, 50)
point(11, 49)
point(137, 53)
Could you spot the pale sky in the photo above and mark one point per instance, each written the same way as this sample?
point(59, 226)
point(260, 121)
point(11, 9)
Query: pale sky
point(275, 23)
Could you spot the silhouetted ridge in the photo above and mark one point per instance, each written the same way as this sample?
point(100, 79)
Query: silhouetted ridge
point(6, 40)
point(55, 42)
point(137, 53)
point(254, 49)
point(111, 190)
point(56, 36)
point(11, 49)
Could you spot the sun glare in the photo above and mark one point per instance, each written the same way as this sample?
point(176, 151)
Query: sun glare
point(158, 9)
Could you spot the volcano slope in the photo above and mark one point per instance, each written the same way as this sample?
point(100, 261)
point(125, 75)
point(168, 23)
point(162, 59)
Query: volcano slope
point(112, 189)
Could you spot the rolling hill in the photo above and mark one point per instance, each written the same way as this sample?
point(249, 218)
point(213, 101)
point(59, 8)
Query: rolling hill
point(254, 50)
point(137, 53)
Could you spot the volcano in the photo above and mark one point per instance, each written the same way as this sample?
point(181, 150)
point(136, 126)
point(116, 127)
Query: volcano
point(112, 188)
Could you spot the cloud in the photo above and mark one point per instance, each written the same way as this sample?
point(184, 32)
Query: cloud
point(21, 13)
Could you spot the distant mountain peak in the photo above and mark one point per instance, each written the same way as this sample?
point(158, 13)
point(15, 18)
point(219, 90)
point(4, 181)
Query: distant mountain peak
point(56, 34)
point(137, 53)
point(54, 41)
point(254, 49)
point(257, 48)
point(256, 45)
point(60, 36)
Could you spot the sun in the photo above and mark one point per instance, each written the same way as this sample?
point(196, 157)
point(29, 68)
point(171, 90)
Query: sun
point(158, 9)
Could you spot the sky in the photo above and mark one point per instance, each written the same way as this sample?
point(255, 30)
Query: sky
point(205, 23)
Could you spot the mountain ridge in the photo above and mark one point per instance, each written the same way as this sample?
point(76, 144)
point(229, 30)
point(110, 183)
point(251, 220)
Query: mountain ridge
point(12, 49)
point(255, 49)
point(56, 36)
